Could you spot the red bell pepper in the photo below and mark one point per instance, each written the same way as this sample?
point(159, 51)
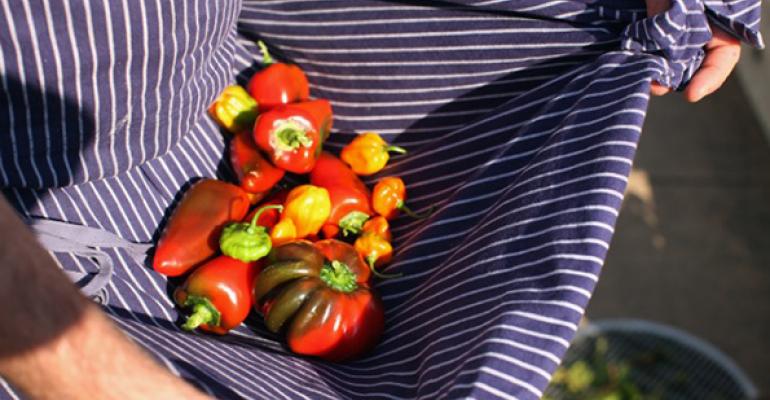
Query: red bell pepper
point(277, 84)
point(255, 173)
point(291, 135)
point(331, 171)
point(349, 196)
point(350, 210)
point(321, 110)
point(192, 233)
point(318, 294)
point(269, 217)
point(219, 293)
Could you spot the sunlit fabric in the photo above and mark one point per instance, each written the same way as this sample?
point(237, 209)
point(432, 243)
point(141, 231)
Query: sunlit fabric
point(521, 119)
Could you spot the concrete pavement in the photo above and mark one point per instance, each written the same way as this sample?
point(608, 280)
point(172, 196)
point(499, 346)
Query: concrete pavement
point(692, 245)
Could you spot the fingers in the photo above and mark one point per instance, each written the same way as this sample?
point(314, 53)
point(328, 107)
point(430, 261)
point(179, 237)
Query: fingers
point(658, 90)
point(655, 7)
point(722, 53)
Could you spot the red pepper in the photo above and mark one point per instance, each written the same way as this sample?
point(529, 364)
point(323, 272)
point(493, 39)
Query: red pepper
point(349, 196)
point(291, 135)
point(192, 233)
point(331, 171)
point(350, 210)
point(219, 293)
point(321, 110)
point(269, 217)
point(277, 84)
point(255, 173)
point(330, 231)
point(318, 295)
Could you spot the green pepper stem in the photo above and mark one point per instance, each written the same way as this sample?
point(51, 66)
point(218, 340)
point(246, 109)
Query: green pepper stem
point(204, 312)
point(201, 315)
point(266, 57)
point(370, 260)
point(263, 209)
point(395, 149)
point(338, 276)
point(291, 135)
point(401, 206)
point(353, 222)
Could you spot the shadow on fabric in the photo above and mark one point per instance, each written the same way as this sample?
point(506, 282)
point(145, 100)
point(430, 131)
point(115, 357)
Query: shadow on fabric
point(45, 166)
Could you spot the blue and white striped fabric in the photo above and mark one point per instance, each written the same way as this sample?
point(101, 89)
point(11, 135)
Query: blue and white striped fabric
point(521, 119)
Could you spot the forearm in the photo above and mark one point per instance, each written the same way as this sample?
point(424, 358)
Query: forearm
point(91, 359)
point(54, 343)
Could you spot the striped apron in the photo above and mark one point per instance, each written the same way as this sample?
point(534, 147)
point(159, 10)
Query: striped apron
point(521, 118)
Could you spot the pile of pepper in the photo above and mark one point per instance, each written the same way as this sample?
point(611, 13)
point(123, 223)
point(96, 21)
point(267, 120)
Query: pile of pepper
point(302, 257)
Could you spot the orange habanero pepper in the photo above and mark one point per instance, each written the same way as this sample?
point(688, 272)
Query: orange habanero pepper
point(388, 198)
point(376, 251)
point(378, 225)
point(368, 153)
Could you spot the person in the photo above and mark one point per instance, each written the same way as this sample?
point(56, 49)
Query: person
point(722, 54)
point(57, 344)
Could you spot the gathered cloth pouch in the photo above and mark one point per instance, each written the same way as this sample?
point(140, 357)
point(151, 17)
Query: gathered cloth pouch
point(521, 120)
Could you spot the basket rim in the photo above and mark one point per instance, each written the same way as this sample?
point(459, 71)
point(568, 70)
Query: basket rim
point(631, 325)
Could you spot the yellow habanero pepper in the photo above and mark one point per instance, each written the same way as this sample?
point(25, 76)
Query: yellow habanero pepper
point(234, 109)
point(375, 250)
point(283, 232)
point(308, 207)
point(368, 153)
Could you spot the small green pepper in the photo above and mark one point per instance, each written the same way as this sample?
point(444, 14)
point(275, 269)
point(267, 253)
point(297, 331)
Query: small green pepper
point(247, 241)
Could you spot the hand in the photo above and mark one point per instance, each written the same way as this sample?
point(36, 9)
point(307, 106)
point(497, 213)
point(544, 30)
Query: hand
point(722, 53)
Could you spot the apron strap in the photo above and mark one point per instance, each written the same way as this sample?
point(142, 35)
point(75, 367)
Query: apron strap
point(57, 236)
